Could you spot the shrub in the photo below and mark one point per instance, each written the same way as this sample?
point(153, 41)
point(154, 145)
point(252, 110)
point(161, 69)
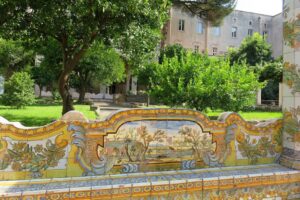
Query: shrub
point(18, 90)
point(201, 82)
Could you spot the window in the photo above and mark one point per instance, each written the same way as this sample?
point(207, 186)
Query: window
point(216, 31)
point(181, 25)
point(250, 32)
point(196, 48)
point(199, 27)
point(215, 51)
point(234, 32)
point(250, 23)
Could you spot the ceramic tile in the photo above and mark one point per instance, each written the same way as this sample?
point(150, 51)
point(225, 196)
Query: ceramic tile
point(240, 181)
point(58, 193)
point(268, 178)
point(160, 188)
point(11, 195)
point(122, 191)
point(80, 192)
point(211, 184)
point(103, 192)
point(226, 182)
point(141, 189)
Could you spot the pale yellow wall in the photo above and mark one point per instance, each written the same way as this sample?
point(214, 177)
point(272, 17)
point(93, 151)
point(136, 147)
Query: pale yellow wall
point(240, 19)
point(189, 37)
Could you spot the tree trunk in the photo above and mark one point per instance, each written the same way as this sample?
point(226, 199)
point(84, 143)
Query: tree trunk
point(40, 92)
point(64, 91)
point(148, 100)
point(82, 90)
point(127, 85)
point(70, 60)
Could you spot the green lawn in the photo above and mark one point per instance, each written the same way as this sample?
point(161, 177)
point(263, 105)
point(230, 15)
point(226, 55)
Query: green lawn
point(250, 116)
point(38, 115)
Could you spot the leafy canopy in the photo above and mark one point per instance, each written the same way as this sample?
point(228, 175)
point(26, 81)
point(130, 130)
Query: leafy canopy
point(211, 10)
point(14, 57)
point(100, 65)
point(254, 50)
point(47, 72)
point(75, 25)
point(198, 81)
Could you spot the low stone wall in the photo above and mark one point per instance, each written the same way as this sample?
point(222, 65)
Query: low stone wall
point(137, 140)
point(138, 152)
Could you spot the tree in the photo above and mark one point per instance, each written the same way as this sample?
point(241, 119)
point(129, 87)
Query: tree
point(19, 90)
point(257, 54)
point(219, 85)
point(210, 10)
point(137, 47)
point(75, 25)
point(14, 57)
point(254, 50)
point(99, 65)
point(146, 71)
point(198, 81)
point(271, 72)
point(47, 72)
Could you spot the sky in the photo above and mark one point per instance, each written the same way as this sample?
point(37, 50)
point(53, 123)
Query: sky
point(267, 7)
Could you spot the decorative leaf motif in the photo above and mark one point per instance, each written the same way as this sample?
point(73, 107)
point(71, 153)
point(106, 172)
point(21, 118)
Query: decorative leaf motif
point(254, 149)
point(35, 159)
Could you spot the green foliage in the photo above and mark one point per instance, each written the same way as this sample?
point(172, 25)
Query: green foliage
point(19, 90)
point(271, 72)
point(75, 25)
point(198, 81)
point(47, 73)
point(256, 53)
point(171, 51)
point(101, 65)
point(254, 50)
point(138, 44)
point(213, 10)
point(14, 57)
point(147, 71)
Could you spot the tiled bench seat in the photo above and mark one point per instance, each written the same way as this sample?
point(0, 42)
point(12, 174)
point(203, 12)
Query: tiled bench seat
point(250, 182)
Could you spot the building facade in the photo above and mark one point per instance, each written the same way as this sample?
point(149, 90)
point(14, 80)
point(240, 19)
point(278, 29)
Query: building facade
point(198, 35)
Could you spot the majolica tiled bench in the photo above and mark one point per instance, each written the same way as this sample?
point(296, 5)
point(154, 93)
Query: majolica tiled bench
point(145, 153)
point(253, 182)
